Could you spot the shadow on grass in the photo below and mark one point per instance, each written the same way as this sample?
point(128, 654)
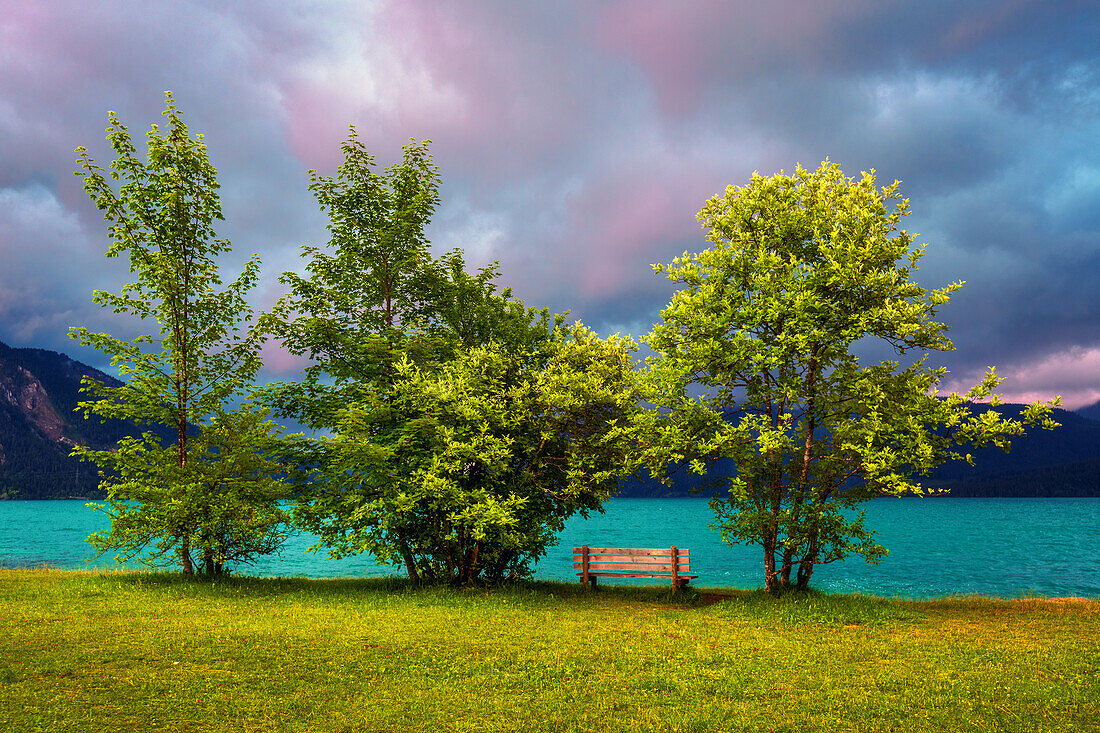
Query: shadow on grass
point(793, 608)
point(529, 592)
point(255, 586)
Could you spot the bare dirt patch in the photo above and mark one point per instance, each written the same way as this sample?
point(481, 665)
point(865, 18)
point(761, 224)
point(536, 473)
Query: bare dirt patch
point(709, 599)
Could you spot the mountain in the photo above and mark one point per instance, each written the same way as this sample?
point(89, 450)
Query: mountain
point(1063, 462)
point(1092, 412)
point(1060, 462)
point(1080, 479)
point(684, 483)
point(39, 391)
point(1077, 440)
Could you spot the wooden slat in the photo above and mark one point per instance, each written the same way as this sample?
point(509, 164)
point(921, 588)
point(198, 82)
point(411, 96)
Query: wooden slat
point(633, 562)
point(681, 562)
point(638, 566)
point(643, 567)
point(637, 575)
point(628, 558)
point(667, 552)
point(643, 551)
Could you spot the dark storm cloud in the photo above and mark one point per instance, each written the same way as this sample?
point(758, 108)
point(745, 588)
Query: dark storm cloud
point(577, 142)
point(61, 70)
point(986, 112)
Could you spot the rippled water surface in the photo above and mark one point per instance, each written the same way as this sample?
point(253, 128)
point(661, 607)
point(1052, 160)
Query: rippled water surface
point(997, 547)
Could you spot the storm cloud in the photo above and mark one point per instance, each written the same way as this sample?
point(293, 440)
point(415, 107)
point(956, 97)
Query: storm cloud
point(578, 140)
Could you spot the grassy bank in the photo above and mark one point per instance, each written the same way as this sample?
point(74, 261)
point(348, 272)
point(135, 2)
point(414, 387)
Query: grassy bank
point(102, 652)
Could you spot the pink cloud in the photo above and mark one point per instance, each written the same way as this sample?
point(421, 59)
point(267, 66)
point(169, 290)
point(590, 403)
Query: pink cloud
point(492, 66)
point(280, 363)
point(475, 80)
point(590, 247)
point(628, 221)
point(1074, 374)
point(686, 48)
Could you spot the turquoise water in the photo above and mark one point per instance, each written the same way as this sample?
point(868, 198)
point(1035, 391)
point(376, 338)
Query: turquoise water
point(994, 547)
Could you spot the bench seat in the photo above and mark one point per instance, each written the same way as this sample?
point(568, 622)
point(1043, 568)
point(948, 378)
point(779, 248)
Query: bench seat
point(670, 563)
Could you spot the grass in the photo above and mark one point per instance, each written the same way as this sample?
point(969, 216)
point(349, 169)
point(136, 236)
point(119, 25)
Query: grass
point(133, 651)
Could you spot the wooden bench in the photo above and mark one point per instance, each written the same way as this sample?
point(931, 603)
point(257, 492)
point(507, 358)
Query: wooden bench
point(672, 564)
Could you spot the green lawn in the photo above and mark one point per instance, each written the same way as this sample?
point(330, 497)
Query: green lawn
point(104, 652)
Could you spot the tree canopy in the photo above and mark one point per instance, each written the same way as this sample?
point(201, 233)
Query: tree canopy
point(463, 426)
point(213, 493)
point(757, 361)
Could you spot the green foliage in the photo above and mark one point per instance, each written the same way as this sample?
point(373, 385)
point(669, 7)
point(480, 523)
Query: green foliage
point(347, 314)
point(801, 269)
point(212, 492)
point(484, 458)
point(222, 503)
point(464, 427)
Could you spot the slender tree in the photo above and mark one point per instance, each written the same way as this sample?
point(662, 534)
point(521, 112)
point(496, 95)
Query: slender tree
point(755, 362)
point(207, 492)
point(348, 313)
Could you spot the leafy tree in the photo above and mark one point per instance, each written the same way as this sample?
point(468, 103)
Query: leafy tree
point(221, 502)
point(471, 470)
point(463, 426)
point(347, 314)
point(212, 494)
point(755, 362)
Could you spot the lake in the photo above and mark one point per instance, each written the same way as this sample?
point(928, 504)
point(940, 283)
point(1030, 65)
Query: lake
point(939, 547)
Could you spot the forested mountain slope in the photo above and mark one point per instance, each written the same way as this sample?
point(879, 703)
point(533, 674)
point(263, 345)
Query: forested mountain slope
point(1060, 462)
point(1092, 411)
point(39, 391)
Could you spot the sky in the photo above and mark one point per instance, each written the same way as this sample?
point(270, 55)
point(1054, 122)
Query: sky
point(578, 140)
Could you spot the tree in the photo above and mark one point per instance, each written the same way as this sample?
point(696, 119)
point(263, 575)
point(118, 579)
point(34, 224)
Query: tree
point(222, 502)
point(214, 491)
point(756, 362)
point(469, 472)
point(347, 315)
point(464, 426)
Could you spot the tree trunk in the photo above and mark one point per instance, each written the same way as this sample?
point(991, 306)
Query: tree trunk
point(461, 574)
point(806, 565)
point(469, 564)
point(181, 460)
point(773, 583)
point(501, 564)
point(809, 561)
point(771, 579)
point(181, 441)
point(185, 556)
point(805, 570)
point(181, 457)
point(406, 555)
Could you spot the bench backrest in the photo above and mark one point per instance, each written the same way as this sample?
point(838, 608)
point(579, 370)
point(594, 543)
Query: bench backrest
point(640, 562)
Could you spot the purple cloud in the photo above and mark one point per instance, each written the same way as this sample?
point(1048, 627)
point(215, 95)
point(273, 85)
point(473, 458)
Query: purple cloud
point(577, 141)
